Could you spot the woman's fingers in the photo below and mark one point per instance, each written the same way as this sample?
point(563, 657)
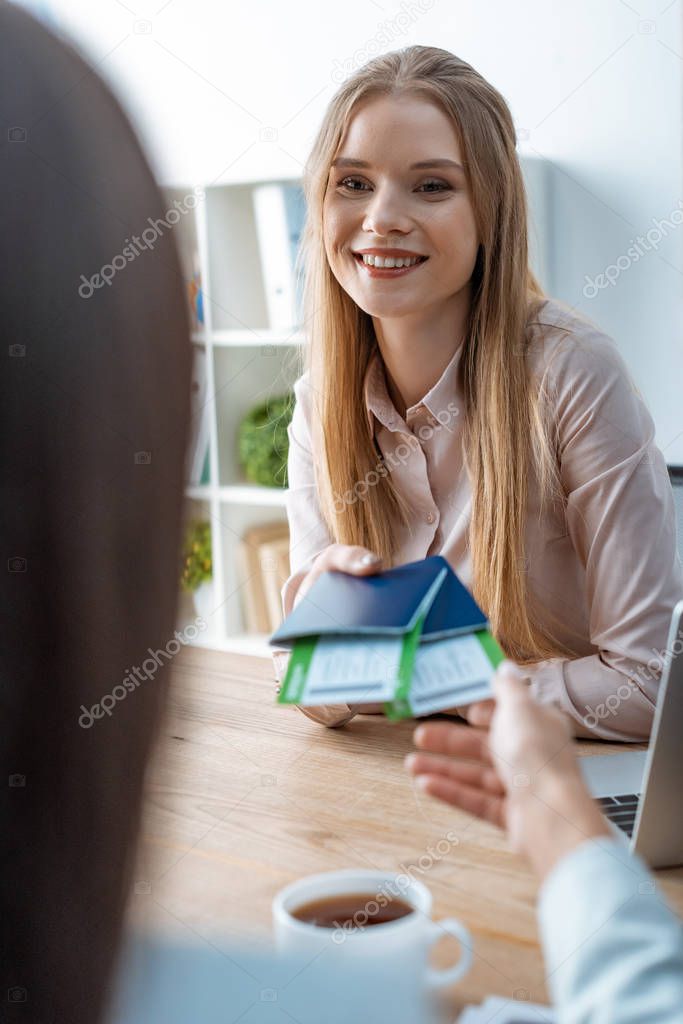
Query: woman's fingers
point(487, 806)
point(453, 740)
point(475, 775)
point(351, 558)
point(355, 559)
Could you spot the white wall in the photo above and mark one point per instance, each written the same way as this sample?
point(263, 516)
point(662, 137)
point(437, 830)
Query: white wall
point(594, 85)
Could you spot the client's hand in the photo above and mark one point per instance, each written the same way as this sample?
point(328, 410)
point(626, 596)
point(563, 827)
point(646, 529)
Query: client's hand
point(522, 775)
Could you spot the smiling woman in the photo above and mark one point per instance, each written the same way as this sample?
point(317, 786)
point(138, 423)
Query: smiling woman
point(542, 480)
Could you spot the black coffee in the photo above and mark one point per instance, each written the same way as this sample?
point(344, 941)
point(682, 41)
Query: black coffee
point(354, 909)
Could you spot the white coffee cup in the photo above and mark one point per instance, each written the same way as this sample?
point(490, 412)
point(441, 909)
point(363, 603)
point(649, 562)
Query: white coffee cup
point(406, 942)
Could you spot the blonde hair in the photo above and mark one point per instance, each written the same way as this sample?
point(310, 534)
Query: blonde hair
point(505, 431)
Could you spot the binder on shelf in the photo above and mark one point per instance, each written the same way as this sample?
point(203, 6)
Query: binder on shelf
point(205, 478)
point(194, 294)
point(279, 212)
point(199, 468)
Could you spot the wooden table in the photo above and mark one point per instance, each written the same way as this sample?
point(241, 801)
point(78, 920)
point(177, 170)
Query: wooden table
point(246, 796)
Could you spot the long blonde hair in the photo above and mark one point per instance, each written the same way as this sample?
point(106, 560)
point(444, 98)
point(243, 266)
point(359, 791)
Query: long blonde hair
point(505, 432)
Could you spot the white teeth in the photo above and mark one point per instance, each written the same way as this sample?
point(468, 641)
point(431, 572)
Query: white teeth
point(390, 261)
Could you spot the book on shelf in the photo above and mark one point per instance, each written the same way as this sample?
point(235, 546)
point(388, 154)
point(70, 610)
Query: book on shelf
point(263, 554)
point(279, 212)
point(199, 470)
point(275, 570)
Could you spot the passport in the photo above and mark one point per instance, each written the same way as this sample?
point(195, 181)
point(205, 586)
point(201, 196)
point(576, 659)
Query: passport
point(411, 638)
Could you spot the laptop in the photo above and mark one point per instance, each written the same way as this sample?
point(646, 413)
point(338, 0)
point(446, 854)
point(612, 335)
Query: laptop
point(640, 790)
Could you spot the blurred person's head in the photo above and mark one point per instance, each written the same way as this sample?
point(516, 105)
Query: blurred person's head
point(470, 221)
point(94, 417)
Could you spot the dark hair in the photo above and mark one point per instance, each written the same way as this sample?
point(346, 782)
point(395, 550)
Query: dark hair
point(91, 531)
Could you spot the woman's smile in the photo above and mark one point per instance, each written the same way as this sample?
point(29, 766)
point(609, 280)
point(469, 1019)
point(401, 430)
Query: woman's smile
point(380, 271)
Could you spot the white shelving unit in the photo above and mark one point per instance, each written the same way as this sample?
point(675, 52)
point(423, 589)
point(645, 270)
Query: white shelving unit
point(247, 362)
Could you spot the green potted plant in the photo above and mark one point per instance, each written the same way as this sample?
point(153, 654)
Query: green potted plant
point(197, 573)
point(263, 442)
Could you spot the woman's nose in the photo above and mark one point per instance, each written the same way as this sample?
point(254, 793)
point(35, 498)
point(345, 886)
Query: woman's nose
point(385, 213)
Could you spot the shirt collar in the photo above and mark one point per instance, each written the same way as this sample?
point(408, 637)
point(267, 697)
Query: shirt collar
point(378, 402)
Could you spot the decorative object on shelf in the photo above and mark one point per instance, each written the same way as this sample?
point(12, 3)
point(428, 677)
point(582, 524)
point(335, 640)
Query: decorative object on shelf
point(264, 557)
point(205, 602)
point(263, 442)
point(197, 575)
point(197, 567)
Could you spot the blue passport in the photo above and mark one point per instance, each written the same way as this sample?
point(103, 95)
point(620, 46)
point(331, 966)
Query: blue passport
point(385, 604)
point(411, 638)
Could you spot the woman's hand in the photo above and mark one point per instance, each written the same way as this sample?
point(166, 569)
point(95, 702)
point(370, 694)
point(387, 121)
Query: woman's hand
point(522, 775)
point(351, 558)
point(357, 561)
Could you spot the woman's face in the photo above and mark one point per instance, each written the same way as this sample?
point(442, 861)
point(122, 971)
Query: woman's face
point(389, 204)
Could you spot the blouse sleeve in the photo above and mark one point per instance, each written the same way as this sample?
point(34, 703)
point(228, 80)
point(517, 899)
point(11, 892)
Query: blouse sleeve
point(621, 520)
point(308, 533)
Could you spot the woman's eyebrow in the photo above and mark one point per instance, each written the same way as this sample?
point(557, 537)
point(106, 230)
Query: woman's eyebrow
point(347, 161)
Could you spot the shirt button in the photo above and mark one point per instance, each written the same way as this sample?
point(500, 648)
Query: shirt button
point(430, 517)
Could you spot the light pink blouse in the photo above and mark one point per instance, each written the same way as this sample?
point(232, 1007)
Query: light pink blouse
point(606, 563)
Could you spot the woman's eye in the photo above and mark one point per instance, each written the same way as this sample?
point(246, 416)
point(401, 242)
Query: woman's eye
point(344, 185)
point(441, 186)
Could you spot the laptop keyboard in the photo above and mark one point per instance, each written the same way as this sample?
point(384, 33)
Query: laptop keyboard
point(620, 809)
